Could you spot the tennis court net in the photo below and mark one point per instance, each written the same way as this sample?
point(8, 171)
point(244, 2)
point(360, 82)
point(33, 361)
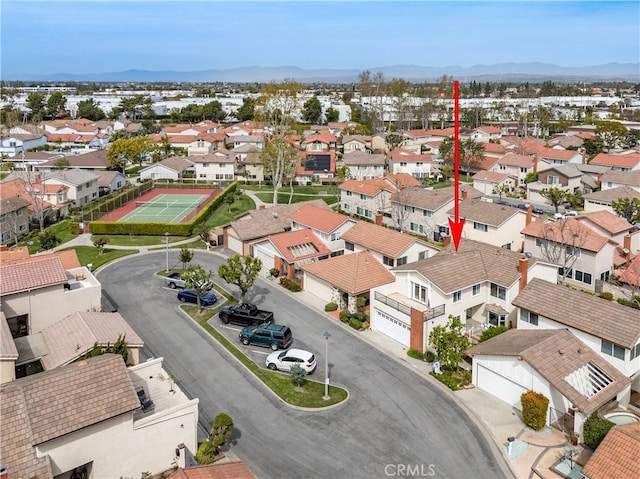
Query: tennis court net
point(165, 204)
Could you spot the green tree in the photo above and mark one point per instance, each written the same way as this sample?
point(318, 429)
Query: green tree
point(48, 240)
point(247, 110)
point(531, 177)
point(61, 164)
point(99, 242)
point(471, 153)
point(119, 347)
point(298, 375)
point(575, 200)
point(222, 428)
point(198, 279)
point(36, 104)
point(627, 208)
point(312, 111)
point(241, 271)
point(450, 343)
point(555, 195)
point(214, 111)
point(492, 332)
point(90, 110)
point(393, 140)
point(612, 134)
point(136, 107)
point(56, 106)
point(186, 255)
point(130, 150)
point(332, 115)
point(500, 190)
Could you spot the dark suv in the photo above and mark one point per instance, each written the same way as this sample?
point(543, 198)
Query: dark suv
point(274, 336)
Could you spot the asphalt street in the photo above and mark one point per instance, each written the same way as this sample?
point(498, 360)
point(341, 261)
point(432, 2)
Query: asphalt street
point(395, 424)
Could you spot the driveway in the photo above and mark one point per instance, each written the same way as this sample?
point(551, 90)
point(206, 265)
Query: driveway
point(395, 424)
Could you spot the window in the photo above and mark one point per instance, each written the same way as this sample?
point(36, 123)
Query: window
point(457, 296)
point(583, 277)
point(346, 207)
point(206, 165)
point(423, 255)
point(401, 261)
point(427, 213)
point(523, 169)
point(409, 209)
point(3, 218)
point(419, 293)
point(497, 319)
point(349, 193)
point(498, 291)
point(529, 317)
point(359, 210)
point(506, 246)
point(219, 176)
point(476, 290)
point(349, 246)
point(572, 251)
point(503, 167)
point(387, 261)
point(553, 180)
point(480, 226)
point(335, 236)
point(368, 213)
point(604, 276)
point(612, 349)
point(363, 197)
point(79, 188)
point(635, 351)
point(539, 242)
point(416, 227)
point(403, 163)
point(221, 165)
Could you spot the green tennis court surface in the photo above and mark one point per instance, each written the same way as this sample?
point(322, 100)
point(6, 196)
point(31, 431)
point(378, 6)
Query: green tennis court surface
point(166, 208)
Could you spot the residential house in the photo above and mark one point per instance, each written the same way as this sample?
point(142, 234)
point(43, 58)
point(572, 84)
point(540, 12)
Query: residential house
point(8, 352)
point(616, 456)
point(343, 279)
point(417, 165)
point(565, 141)
point(475, 283)
point(257, 141)
point(253, 168)
point(325, 223)
point(14, 219)
point(609, 329)
point(552, 362)
point(13, 144)
point(559, 157)
point(94, 413)
point(26, 161)
point(92, 160)
point(320, 141)
point(217, 166)
point(628, 162)
point(494, 150)
point(566, 178)
point(363, 165)
point(173, 168)
point(487, 182)
point(492, 223)
point(379, 143)
point(239, 235)
point(40, 290)
point(47, 201)
point(486, 134)
point(602, 200)
point(110, 181)
point(205, 143)
point(613, 227)
point(580, 253)
point(354, 143)
point(615, 179)
point(426, 208)
point(83, 185)
point(315, 166)
point(287, 252)
point(515, 165)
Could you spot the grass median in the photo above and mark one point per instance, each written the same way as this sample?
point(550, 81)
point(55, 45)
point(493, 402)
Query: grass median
point(310, 395)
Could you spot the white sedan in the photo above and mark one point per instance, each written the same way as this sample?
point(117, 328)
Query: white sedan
point(284, 360)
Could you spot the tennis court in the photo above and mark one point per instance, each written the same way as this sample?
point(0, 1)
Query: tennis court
point(164, 208)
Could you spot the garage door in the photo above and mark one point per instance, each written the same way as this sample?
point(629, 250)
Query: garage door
point(500, 387)
point(234, 245)
point(265, 256)
point(393, 328)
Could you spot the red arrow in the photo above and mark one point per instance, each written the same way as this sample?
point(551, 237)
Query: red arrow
point(456, 224)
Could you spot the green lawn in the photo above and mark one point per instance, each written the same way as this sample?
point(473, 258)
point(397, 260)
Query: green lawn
point(91, 255)
point(61, 230)
point(140, 240)
point(310, 395)
point(225, 214)
point(283, 198)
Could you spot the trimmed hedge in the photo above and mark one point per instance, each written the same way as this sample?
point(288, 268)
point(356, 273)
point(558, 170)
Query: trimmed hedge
point(355, 323)
point(534, 409)
point(595, 429)
point(412, 353)
point(331, 307)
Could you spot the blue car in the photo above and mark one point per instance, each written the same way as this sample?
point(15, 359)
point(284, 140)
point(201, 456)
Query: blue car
point(190, 296)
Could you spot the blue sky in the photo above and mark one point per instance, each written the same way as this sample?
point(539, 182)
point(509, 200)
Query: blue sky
point(95, 36)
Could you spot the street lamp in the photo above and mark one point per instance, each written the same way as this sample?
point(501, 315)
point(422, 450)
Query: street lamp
point(326, 366)
point(166, 242)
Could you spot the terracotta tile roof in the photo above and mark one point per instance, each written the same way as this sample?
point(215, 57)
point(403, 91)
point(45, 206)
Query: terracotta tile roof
point(486, 162)
point(494, 148)
point(176, 129)
point(76, 334)
point(13, 255)
point(489, 129)
point(288, 245)
point(569, 231)
point(512, 159)
point(402, 180)
point(435, 199)
point(630, 160)
point(63, 137)
point(325, 137)
point(69, 258)
point(400, 154)
point(264, 222)
point(175, 163)
point(575, 309)
point(31, 275)
point(212, 137)
point(474, 262)
point(612, 194)
point(606, 220)
point(631, 178)
point(8, 348)
point(353, 273)
point(557, 355)
point(367, 187)
point(490, 176)
point(617, 455)
point(44, 406)
point(383, 240)
point(229, 470)
point(18, 188)
point(321, 219)
point(363, 158)
point(488, 213)
point(557, 154)
point(631, 274)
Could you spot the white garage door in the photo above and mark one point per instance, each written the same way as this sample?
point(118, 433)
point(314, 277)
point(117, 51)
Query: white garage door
point(234, 244)
point(266, 257)
point(500, 387)
point(393, 328)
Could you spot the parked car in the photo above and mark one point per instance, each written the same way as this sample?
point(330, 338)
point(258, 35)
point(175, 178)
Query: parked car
point(274, 336)
point(284, 360)
point(190, 296)
point(245, 314)
point(175, 281)
point(570, 213)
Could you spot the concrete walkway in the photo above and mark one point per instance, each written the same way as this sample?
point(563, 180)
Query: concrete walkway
point(85, 240)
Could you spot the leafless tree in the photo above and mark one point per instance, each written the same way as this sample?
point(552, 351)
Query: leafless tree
point(400, 207)
point(561, 243)
point(33, 185)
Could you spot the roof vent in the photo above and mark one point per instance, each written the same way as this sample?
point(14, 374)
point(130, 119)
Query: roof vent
point(274, 214)
point(561, 351)
point(626, 251)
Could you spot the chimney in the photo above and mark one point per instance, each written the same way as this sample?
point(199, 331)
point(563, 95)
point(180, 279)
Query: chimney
point(464, 194)
point(535, 163)
point(599, 180)
point(447, 240)
point(626, 245)
point(378, 219)
point(523, 267)
point(529, 215)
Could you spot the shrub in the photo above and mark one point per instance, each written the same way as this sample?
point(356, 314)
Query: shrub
point(290, 285)
point(274, 272)
point(492, 332)
point(206, 452)
point(412, 353)
point(607, 296)
point(355, 323)
point(74, 228)
point(595, 429)
point(343, 316)
point(331, 307)
point(453, 381)
point(48, 240)
point(297, 375)
point(632, 304)
point(534, 409)
point(429, 356)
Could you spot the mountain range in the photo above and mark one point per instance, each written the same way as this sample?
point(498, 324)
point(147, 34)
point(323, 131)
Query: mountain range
point(508, 72)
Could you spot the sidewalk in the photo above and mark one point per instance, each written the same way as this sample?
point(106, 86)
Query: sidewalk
point(85, 240)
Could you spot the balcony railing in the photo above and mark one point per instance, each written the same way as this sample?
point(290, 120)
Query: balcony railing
point(431, 313)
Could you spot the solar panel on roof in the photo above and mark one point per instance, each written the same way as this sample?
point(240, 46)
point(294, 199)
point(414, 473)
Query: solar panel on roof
point(317, 162)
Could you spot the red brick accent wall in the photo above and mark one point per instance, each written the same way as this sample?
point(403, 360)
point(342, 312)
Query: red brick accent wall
point(417, 331)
